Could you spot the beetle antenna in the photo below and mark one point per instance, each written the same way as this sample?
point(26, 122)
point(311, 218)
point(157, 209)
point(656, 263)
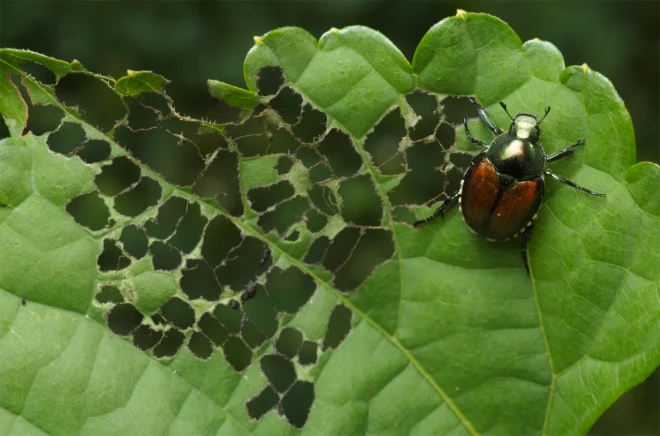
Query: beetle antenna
point(505, 110)
point(547, 111)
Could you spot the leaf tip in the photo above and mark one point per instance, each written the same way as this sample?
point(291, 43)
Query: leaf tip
point(460, 13)
point(130, 73)
point(334, 30)
point(258, 40)
point(76, 66)
point(584, 67)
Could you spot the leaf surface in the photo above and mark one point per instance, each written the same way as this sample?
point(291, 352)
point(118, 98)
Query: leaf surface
point(420, 331)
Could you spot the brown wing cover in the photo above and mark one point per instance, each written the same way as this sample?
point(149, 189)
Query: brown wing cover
point(494, 210)
point(481, 186)
point(516, 207)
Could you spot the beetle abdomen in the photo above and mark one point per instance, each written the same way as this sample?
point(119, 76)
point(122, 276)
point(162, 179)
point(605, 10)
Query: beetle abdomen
point(495, 209)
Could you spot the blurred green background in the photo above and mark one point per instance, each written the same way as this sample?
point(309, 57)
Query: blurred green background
point(190, 42)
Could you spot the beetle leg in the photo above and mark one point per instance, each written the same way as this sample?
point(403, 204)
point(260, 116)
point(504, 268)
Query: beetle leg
point(472, 138)
point(526, 236)
point(565, 152)
point(485, 117)
point(441, 210)
point(570, 183)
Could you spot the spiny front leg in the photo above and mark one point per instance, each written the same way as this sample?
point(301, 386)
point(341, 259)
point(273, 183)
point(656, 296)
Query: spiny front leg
point(472, 138)
point(565, 152)
point(485, 117)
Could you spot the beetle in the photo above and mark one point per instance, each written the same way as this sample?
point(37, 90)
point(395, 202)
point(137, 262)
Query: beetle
point(502, 189)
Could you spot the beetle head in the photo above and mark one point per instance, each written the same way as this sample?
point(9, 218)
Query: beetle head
point(526, 127)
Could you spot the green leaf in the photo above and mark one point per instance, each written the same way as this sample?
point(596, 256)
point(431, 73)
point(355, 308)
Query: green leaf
point(238, 97)
point(138, 82)
point(404, 330)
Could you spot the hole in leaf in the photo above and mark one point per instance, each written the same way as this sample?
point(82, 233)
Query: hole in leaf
point(269, 80)
point(424, 181)
point(200, 345)
point(281, 141)
point(403, 215)
point(250, 137)
point(455, 109)
point(424, 105)
point(242, 264)
point(320, 172)
point(454, 173)
point(39, 72)
point(144, 337)
point(315, 220)
point(340, 152)
point(237, 353)
point(43, 119)
point(220, 238)
point(360, 205)
point(289, 342)
point(89, 210)
point(446, 134)
point(189, 230)
point(341, 247)
point(178, 312)
point(94, 150)
point(213, 329)
point(164, 153)
point(383, 143)
point(311, 126)
point(284, 165)
point(220, 182)
point(293, 236)
point(308, 353)
point(135, 241)
point(85, 92)
point(262, 318)
point(290, 289)
point(317, 250)
point(309, 156)
point(118, 176)
point(338, 326)
point(4, 130)
point(142, 116)
point(168, 216)
point(112, 258)
point(288, 104)
point(297, 403)
point(374, 247)
point(324, 199)
point(228, 317)
point(68, 138)
point(259, 405)
point(170, 344)
point(123, 319)
point(158, 319)
point(165, 257)
point(199, 281)
point(139, 198)
point(265, 197)
point(109, 294)
point(279, 371)
point(284, 216)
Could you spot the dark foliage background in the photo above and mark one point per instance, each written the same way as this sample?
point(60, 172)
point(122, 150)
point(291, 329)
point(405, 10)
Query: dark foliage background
point(190, 42)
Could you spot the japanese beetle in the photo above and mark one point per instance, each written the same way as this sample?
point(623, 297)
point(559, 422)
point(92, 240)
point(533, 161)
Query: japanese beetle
point(502, 189)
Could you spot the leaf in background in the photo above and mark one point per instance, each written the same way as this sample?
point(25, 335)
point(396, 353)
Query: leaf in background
point(355, 322)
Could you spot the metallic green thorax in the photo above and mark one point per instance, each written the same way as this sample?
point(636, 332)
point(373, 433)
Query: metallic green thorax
point(516, 152)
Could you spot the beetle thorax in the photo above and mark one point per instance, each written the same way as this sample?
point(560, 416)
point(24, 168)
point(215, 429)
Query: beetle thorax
point(518, 158)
